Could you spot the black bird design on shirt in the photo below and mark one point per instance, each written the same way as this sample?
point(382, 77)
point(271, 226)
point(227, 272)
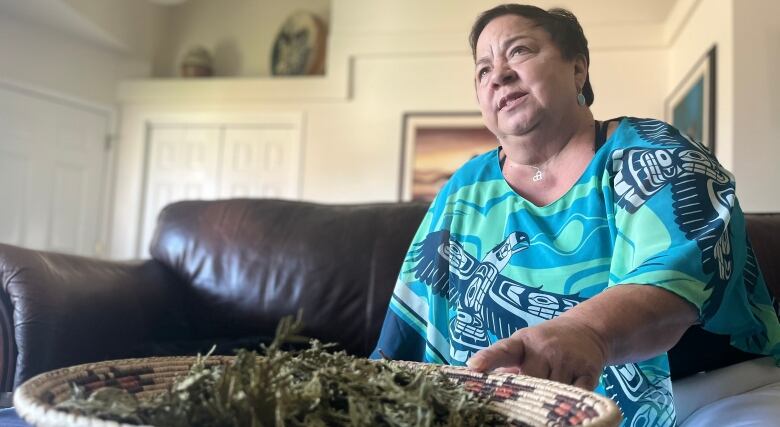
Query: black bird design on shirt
point(702, 194)
point(486, 301)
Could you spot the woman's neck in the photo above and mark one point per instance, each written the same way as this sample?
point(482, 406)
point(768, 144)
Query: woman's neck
point(544, 144)
point(541, 172)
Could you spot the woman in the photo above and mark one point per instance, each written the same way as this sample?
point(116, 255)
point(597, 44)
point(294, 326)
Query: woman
point(579, 250)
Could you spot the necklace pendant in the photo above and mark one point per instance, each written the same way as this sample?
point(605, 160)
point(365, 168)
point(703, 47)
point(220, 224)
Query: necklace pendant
point(538, 176)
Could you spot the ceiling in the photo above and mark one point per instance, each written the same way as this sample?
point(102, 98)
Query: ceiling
point(58, 16)
point(614, 12)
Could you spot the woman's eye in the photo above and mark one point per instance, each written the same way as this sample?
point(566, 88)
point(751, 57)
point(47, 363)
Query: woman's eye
point(517, 50)
point(482, 73)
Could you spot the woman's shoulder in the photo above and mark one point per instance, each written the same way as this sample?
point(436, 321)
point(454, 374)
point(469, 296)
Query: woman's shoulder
point(651, 133)
point(647, 155)
point(659, 137)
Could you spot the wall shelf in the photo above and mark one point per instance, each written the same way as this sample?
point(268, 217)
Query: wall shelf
point(233, 90)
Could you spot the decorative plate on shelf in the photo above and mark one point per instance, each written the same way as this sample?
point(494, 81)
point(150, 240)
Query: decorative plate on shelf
point(299, 48)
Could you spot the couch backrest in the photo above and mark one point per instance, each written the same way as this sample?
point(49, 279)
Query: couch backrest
point(252, 262)
point(764, 232)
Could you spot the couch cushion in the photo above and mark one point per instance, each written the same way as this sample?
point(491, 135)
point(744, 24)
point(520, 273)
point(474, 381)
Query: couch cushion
point(251, 262)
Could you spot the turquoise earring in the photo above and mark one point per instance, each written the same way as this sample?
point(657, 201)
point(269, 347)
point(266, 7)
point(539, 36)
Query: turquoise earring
point(580, 99)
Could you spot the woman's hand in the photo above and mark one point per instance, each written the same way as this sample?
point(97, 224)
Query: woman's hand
point(623, 324)
point(562, 349)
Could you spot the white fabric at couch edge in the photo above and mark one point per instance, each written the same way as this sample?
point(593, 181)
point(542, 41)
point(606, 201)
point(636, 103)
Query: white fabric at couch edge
point(745, 394)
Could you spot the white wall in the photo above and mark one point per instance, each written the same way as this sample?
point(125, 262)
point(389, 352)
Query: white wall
point(747, 35)
point(46, 46)
point(137, 27)
point(50, 61)
point(710, 24)
point(384, 61)
point(628, 82)
point(238, 33)
point(388, 58)
point(756, 104)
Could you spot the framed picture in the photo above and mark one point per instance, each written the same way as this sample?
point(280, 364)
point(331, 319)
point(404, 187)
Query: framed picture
point(691, 106)
point(435, 145)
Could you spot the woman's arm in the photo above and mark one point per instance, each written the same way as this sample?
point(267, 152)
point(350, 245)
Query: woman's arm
point(625, 323)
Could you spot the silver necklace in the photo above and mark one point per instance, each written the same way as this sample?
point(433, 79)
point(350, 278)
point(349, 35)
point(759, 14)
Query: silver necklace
point(539, 175)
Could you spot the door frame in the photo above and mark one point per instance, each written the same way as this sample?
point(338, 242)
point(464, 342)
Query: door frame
point(106, 196)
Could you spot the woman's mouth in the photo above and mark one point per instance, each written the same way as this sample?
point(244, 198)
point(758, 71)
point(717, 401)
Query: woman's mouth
point(508, 101)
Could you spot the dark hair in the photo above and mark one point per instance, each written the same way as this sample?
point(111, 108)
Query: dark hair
point(562, 26)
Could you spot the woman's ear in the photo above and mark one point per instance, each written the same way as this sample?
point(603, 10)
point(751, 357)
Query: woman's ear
point(580, 70)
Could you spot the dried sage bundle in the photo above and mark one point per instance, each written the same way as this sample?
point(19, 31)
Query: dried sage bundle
point(311, 387)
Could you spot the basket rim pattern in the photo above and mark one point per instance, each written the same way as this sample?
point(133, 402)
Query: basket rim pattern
point(524, 400)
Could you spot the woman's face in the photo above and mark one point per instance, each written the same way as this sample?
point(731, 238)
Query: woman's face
point(521, 78)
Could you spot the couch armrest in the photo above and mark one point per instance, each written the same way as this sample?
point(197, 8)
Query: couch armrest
point(58, 310)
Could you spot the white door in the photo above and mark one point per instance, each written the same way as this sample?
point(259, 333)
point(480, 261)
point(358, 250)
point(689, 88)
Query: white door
point(217, 162)
point(259, 162)
point(52, 173)
point(183, 165)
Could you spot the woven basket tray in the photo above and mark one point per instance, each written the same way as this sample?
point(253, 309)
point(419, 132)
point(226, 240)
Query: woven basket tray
point(525, 400)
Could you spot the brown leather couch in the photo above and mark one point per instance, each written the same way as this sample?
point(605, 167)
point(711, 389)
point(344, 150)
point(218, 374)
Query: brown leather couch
point(225, 272)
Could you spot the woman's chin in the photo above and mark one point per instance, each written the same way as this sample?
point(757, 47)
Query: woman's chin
point(516, 128)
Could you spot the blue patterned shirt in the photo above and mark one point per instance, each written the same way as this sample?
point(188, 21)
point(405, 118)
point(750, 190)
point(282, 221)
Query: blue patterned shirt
point(653, 207)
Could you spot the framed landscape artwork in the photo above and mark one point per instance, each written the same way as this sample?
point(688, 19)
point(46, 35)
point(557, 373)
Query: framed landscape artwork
point(435, 145)
point(691, 105)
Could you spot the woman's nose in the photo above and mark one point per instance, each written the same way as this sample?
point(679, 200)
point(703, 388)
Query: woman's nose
point(502, 75)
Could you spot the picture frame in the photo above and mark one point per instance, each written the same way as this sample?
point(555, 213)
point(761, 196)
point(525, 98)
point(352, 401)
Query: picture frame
point(434, 145)
point(691, 105)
